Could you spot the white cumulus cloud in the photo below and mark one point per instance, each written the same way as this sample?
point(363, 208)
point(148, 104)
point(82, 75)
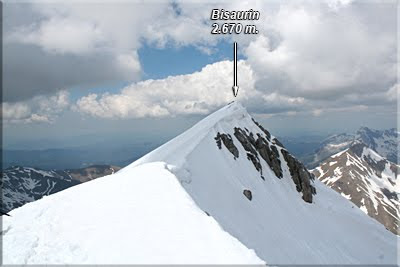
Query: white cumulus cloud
point(39, 109)
point(196, 93)
point(326, 51)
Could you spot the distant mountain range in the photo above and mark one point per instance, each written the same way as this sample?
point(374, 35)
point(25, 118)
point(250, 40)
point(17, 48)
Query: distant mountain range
point(21, 185)
point(77, 157)
point(384, 142)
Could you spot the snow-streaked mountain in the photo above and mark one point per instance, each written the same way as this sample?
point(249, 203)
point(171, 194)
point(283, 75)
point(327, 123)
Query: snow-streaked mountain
point(225, 175)
point(329, 147)
point(20, 185)
point(367, 179)
point(384, 142)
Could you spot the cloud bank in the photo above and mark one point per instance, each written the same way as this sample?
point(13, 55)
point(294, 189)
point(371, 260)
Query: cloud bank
point(315, 57)
point(197, 93)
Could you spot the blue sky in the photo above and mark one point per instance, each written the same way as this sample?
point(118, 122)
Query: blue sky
point(160, 63)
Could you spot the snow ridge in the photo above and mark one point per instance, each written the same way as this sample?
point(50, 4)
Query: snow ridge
point(152, 220)
point(182, 145)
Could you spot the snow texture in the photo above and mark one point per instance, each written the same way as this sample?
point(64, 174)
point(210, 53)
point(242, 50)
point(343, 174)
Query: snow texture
point(143, 215)
point(148, 218)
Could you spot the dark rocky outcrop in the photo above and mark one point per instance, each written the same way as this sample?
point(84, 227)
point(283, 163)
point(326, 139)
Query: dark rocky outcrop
point(395, 168)
point(245, 140)
point(276, 141)
point(378, 166)
point(270, 155)
point(301, 177)
point(389, 194)
point(262, 129)
point(248, 142)
point(228, 142)
point(256, 161)
point(358, 149)
point(254, 147)
point(248, 194)
point(257, 146)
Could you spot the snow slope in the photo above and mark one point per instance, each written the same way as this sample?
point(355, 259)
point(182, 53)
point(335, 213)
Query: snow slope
point(141, 216)
point(283, 221)
point(20, 185)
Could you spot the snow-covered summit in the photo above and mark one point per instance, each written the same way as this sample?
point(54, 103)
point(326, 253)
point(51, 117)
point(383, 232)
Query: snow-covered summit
point(217, 193)
point(178, 148)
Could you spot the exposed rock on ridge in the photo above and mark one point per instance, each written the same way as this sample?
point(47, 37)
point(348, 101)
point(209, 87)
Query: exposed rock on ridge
point(301, 177)
point(257, 146)
point(227, 140)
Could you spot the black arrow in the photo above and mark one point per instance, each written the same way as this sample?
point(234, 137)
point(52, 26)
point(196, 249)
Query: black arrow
point(235, 87)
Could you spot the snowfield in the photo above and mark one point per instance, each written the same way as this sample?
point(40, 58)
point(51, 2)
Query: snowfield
point(155, 211)
point(149, 218)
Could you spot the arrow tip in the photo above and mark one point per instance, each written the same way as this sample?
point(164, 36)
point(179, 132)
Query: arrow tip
point(235, 90)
